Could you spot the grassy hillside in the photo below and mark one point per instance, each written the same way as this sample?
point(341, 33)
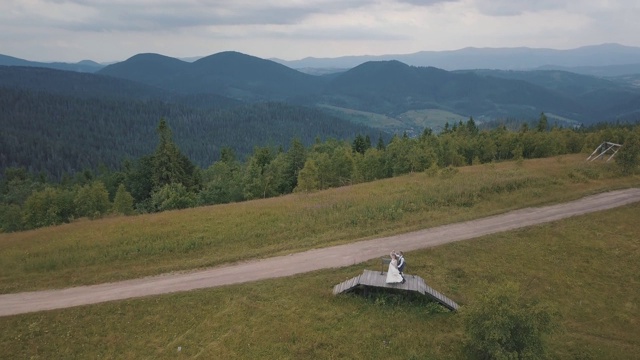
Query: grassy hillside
point(585, 268)
point(88, 252)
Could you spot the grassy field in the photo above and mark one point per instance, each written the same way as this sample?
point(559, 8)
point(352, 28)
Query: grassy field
point(90, 252)
point(585, 267)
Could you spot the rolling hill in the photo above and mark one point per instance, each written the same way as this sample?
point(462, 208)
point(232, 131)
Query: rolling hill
point(229, 74)
point(148, 69)
point(392, 87)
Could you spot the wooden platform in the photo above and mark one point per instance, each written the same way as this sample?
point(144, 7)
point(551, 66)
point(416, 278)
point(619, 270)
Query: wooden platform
point(412, 283)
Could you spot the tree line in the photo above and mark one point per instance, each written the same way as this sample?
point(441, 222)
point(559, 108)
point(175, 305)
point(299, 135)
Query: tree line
point(167, 179)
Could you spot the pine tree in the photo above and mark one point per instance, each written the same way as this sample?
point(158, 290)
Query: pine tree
point(543, 123)
point(167, 167)
point(296, 157)
point(170, 166)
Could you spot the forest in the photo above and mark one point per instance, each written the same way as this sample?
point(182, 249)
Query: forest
point(63, 133)
point(166, 178)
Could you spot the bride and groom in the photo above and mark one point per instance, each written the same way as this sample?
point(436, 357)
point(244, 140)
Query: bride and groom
point(396, 267)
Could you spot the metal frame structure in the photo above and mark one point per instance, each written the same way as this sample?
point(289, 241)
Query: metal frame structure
point(604, 148)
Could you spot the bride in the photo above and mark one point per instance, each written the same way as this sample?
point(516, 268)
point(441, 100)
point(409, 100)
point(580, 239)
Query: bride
point(393, 275)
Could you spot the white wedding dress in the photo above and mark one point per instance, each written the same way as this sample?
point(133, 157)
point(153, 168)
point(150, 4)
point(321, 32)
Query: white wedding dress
point(393, 275)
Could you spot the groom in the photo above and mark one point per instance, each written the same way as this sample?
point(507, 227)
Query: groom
point(401, 265)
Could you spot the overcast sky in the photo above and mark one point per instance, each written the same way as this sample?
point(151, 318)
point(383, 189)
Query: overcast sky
point(114, 30)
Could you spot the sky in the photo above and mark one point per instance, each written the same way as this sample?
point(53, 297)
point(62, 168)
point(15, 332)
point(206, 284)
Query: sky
point(114, 30)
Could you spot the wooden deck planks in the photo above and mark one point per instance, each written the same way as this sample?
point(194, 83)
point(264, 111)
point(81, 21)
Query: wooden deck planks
point(413, 283)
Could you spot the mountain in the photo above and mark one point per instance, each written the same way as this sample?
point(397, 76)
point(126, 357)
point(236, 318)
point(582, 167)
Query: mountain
point(150, 69)
point(392, 87)
point(82, 66)
point(389, 89)
point(489, 58)
point(229, 73)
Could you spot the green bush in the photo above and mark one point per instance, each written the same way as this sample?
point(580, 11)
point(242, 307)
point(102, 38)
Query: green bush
point(123, 201)
point(172, 196)
point(92, 200)
point(628, 158)
point(504, 324)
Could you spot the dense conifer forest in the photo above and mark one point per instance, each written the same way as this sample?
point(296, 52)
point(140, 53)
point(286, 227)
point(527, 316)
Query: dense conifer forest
point(59, 134)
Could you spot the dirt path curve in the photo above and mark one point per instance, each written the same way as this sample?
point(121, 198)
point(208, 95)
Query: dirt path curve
point(331, 257)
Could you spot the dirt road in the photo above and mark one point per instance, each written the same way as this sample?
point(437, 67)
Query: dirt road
point(332, 257)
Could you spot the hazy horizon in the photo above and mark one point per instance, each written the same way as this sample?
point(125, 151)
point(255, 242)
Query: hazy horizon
point(75, 30)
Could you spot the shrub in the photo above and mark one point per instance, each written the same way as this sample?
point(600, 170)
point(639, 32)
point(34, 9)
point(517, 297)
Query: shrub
point(123, 201)
point(172, 196)
point(503, 324)
point(628, 158)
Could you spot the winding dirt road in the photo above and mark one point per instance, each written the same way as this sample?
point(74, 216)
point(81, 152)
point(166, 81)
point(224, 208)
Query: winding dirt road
point(331, 257)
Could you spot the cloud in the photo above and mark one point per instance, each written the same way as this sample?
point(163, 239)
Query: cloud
point(115, 29)
point(143, 15)
point(516, 7)
point(154, 15)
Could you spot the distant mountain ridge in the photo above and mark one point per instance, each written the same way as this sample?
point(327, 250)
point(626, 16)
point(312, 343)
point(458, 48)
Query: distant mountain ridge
point(520, 58)
point(609, 59)
point(391, 87)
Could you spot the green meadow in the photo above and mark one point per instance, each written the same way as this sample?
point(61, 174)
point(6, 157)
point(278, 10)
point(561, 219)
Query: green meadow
point(364, 117)
point(431, 118)
point(407, 121)
point(586, 268)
